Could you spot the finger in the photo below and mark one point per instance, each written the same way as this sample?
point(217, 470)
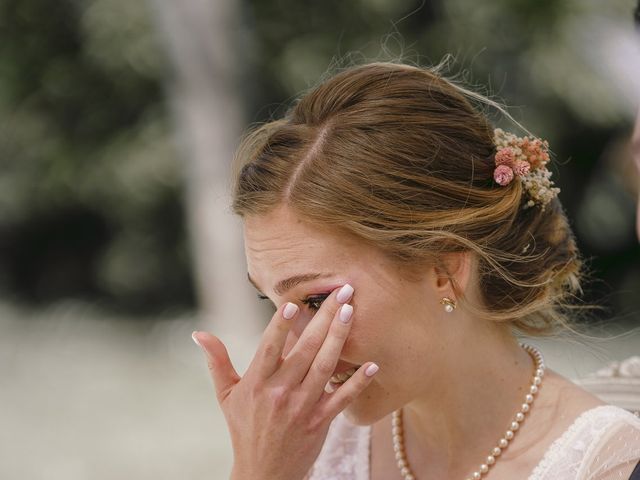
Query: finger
point(269, 354)
point(326, 360)
point(297, 363)
point(222, 372)
point(333, 403)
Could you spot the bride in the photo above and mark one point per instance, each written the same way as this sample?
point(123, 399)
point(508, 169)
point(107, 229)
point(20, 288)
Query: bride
point(405, 243)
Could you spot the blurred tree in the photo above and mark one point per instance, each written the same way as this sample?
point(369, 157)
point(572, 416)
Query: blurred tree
point(90, 186)
point(208, 115)
point(90, 189)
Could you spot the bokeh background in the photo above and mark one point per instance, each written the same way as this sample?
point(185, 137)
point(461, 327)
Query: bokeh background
point(118, 122)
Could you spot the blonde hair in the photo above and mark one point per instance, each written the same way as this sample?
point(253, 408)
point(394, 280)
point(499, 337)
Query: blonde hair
point(400, 157)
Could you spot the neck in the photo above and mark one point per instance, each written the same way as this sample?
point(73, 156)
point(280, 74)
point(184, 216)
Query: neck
point(449, 430)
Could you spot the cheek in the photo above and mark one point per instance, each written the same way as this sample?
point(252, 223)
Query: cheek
point(300, 323)
point(297, 328)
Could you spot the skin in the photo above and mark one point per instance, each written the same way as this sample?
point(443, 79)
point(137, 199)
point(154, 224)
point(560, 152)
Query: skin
point(422, 353)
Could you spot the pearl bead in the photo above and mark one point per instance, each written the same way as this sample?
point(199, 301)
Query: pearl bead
point(397, 431)
point(448, 308)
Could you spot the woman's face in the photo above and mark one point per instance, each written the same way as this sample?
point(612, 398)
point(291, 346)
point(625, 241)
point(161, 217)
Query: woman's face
point(395, 322)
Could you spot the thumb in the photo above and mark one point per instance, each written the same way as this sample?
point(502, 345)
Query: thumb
point(222, 372)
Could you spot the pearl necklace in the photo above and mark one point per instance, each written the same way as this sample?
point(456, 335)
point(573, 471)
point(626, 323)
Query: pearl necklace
point(398, 436)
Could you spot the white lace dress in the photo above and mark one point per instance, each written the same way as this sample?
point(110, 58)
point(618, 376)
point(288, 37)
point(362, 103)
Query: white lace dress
point(603, 443)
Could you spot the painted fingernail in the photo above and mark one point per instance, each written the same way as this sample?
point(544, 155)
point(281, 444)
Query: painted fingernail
point(329, 388)
point(371, 370)
point(193, 336)
point(345, 313)
point(290, 309)
point(344, 294)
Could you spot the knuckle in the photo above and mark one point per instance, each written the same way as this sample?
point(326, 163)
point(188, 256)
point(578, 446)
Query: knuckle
point(211, 366)
point(270, 351)
point(312, 344)
point(315, 424)
point(347, 398)
point(340, 330)
point(279, 397)
point(256, 389)
point(324, 366)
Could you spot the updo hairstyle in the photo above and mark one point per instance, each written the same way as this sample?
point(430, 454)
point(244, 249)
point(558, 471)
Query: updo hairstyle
point(399, 157)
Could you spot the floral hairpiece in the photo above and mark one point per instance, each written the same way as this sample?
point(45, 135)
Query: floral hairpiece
point(525, 158)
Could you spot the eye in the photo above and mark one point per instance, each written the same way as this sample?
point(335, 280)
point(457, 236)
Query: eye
point(315, 301)
point(264, 297)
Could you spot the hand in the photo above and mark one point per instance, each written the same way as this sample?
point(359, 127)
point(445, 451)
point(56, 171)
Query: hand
point(278, 414)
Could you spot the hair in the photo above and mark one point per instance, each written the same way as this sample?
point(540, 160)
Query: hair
point(403, 158)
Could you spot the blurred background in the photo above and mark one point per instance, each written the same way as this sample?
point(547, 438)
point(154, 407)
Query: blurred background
point(118, 123)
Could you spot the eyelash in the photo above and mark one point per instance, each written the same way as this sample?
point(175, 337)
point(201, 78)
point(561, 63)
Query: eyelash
point(312, 302)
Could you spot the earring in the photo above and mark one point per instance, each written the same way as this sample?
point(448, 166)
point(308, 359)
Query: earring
point(449, 305)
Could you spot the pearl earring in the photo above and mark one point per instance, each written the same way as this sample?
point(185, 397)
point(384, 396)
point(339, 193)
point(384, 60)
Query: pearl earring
point(449, 305)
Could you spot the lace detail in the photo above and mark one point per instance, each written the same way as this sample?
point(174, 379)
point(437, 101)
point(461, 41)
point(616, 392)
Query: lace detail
point(345, 453)
point(602, 443)
point(584, 451)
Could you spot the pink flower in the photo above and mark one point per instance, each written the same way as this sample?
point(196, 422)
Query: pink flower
point(503, 174)
point(521, 168)
point(506, 156)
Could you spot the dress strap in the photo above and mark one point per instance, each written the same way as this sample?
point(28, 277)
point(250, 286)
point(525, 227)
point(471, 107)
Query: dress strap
point(635, 475)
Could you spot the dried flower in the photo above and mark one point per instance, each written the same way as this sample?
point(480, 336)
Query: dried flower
point(503, 175)
point(526, 158)
point(521, 168)
point(506, 156)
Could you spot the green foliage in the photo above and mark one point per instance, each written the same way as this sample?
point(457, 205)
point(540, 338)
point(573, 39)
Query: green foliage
point(86, 136)
point(91, 186)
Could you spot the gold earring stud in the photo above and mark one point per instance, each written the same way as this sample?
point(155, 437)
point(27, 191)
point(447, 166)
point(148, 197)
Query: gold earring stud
point(449, 305)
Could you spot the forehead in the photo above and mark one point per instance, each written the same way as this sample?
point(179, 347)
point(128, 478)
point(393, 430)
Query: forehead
point(281, 236)
point(281, 243)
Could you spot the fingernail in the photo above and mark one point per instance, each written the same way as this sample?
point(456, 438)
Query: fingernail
point(344, 294)
point(345, 313)
point(371, 370)
point(329, 388)
point(290, 309)
point(193, 336)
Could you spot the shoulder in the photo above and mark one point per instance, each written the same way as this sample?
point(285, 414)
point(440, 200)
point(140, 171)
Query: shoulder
point(591, 437)
point(344, 454)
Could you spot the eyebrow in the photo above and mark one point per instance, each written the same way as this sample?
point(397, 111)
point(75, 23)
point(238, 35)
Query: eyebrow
point(287, 284)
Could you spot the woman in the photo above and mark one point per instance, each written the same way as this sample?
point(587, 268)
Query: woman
point(403, 241)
